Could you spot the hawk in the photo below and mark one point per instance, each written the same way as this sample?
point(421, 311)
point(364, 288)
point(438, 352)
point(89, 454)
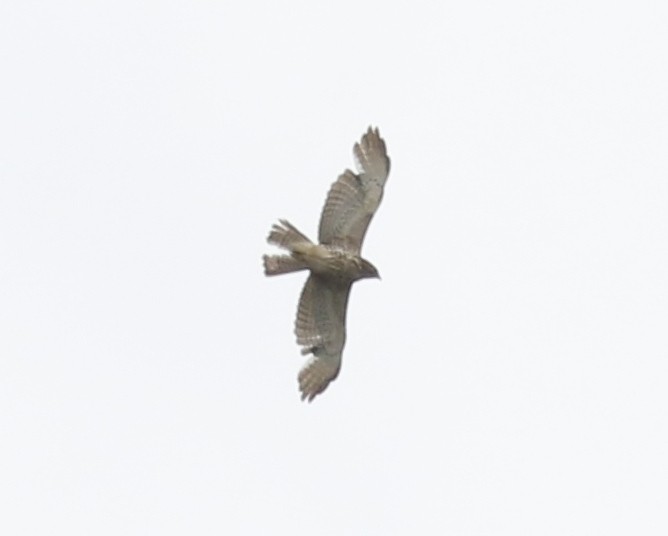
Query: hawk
point(334, 263)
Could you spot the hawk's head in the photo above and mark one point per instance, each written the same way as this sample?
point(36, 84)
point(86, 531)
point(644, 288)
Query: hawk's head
point(368, 270)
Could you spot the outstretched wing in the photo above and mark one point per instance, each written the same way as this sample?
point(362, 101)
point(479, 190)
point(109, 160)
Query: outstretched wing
point(353, 199)
point(321, 330)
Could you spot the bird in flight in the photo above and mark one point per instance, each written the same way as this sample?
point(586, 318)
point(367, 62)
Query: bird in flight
point(335, 263)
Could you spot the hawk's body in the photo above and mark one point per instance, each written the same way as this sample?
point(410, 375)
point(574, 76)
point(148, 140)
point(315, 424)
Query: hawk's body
point(335, 263)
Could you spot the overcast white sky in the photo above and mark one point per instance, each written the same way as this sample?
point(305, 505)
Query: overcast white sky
point(506, 377)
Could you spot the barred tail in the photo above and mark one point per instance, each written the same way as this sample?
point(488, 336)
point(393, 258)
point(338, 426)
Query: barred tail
point(281, 264)
point(286, 236)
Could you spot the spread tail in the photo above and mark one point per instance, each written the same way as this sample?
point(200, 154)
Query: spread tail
point(286, 236)
point(281, 264)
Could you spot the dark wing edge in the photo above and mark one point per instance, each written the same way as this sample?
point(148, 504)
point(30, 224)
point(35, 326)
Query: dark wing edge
point(371, 157)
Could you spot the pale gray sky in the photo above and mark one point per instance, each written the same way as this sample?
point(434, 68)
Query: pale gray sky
point(508, 374)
